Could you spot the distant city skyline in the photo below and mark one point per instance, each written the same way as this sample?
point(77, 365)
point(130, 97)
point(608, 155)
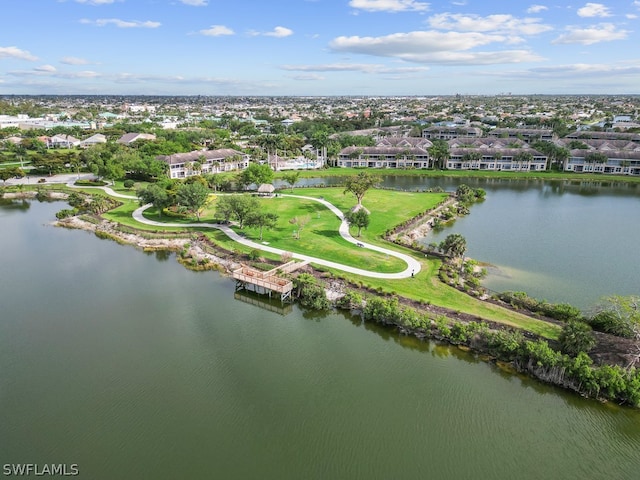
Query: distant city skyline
point(319, 47)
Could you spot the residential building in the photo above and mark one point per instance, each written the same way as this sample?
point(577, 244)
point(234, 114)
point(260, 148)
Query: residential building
point(129, 138)
point(384, 157)
point(449, 132)
point(62, 141)
point(528, 135)
point(616, 162)
point(617, 157)
point(591, 135)
point(498, 159)
point(182, 165)
point(93, 140)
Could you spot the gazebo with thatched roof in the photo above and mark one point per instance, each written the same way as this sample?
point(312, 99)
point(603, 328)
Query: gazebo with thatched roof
point(266, 190)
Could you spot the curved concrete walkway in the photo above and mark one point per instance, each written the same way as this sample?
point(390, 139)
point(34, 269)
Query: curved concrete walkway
point(108, 190)
point(413, 266)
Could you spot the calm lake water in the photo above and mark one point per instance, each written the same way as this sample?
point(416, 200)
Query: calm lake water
point(569, 242)
point(132, 367)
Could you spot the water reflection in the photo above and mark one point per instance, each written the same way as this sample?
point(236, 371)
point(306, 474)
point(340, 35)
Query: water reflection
point(15, 204)
point(261, 301)
point(161, 255)
point(167, 362)
point(426, 182)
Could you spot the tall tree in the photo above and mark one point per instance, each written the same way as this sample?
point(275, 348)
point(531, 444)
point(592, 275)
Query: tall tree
point(193, 196)
point(255, 173)
point(236, 207)
point(155, 195)
point(523, 158)
point(439, 151)
point(291, 178)
point(359, 218)
point(261, 219)
point(7, 173)
point(359, 184)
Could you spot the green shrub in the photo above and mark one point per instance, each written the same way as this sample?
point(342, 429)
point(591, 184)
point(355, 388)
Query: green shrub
point(351, 299)
point(310, 293)
point(576, 337)
point(610, 322)
point(65, 213)
point(90, 183)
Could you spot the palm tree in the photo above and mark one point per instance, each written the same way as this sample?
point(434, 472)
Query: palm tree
point(561, 155)
point(497, 156)
point(471, 157)
point(523, 157)
point(595, 157)
point(439, 151)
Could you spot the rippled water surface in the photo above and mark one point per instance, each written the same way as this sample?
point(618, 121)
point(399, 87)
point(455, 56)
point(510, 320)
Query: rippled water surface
point(563, 241)
point(132, 367)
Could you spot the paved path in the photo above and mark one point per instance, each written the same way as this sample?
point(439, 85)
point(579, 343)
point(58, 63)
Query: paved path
point(413, 266)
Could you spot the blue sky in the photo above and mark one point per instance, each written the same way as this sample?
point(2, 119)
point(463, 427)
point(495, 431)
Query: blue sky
point(319, 47)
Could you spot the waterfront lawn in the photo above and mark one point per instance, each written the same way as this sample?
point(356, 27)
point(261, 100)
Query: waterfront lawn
point(387, 208)
point(319, 237)
point(426, 287)
point(123, 215)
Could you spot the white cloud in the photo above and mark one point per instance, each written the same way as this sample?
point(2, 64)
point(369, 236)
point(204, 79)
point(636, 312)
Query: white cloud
point(353, 67)
point(307, 77)
point(74, 61)
point(594, 10)
point(97, 2)
point(15, 52)
point(217, 31)
point(101, 22)
point(537, 8)
point(631, 16)
point(490, 23)
point(195, 3)
point(389, 5)
point(45, 68)
point(279, 32)
point(577, 70)
point(447, 48)
point(604, 32)
point(51, 71)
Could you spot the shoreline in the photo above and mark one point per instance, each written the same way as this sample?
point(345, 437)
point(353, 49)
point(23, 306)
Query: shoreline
point(193, 253)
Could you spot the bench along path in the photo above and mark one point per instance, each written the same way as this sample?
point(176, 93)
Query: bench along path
point(413, 266)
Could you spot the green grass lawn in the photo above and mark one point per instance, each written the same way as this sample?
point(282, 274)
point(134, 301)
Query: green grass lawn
point(120, 188)
point(320, 238)
point(387, 208)
point(426, 287)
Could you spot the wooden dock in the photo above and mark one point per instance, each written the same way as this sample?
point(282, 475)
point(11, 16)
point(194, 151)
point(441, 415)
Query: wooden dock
point(269, 282)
